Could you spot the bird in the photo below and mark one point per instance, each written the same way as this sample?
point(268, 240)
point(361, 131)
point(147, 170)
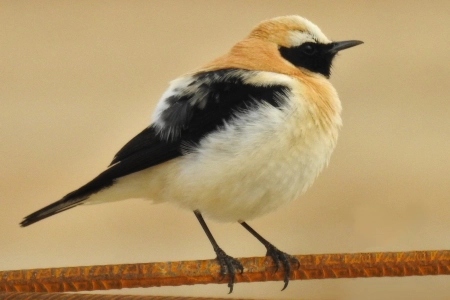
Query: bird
point(234, 139)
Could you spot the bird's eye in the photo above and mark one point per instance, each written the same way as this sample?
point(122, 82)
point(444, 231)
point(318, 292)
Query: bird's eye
point(308, 49)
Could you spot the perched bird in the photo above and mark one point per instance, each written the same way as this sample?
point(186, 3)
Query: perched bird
point(236, 138)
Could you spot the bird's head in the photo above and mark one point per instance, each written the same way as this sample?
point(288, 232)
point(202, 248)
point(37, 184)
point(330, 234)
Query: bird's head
point(301, 43)
point(288, 45)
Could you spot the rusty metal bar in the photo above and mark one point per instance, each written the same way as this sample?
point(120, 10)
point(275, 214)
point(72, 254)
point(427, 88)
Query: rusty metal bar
point(320, 266)
point(64, 296)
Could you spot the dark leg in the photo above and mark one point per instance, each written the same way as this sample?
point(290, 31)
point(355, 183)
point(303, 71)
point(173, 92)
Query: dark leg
point(227, 263)
point(276, 254)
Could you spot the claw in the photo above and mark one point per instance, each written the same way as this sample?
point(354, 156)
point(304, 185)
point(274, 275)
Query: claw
point(228, 265)
point(286, 259)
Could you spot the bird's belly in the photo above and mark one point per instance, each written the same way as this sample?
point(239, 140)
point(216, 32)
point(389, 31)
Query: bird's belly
point(251, 168)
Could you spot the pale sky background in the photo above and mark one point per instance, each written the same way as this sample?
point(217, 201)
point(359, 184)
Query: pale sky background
point(78, 79)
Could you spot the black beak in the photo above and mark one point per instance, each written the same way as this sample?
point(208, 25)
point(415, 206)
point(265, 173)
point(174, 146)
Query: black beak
point(338, 46)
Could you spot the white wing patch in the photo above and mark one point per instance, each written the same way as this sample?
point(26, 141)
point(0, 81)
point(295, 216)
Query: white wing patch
point(176, 87)
point(187, 94)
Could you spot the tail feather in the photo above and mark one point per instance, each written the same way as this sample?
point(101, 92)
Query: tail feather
point(144, 151)
point(49, 211)
point(72, 199)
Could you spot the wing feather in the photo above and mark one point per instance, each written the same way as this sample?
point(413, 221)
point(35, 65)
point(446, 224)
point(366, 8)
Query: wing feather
point(200, 105)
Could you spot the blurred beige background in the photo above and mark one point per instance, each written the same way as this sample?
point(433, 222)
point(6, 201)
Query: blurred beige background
point(78, 79)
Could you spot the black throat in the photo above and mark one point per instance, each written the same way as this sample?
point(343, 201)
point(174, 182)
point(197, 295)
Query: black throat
point(314, 57)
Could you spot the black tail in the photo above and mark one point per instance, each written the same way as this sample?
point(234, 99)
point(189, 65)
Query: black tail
point(72, 199)
point(143, 151)
point(48, 211)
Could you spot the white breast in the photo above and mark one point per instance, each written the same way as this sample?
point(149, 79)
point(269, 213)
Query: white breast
point(262, 159)
point(259, 161)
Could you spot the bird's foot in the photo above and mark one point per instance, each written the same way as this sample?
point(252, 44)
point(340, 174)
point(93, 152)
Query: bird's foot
point(228, 265)
point(286, 259)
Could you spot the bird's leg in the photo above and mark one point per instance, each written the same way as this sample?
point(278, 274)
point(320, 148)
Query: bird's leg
point(228, 264)
point(277, 255)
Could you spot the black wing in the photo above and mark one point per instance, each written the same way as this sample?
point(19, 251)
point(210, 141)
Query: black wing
point(191, 114)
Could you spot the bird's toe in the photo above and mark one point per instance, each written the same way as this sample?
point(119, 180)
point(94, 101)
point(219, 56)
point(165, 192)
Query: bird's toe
point(229, 265)
point(285, 259)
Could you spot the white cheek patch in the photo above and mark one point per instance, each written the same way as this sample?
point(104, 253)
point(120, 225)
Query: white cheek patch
point(297, 38)
point(315, 32)
point(312, 34)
